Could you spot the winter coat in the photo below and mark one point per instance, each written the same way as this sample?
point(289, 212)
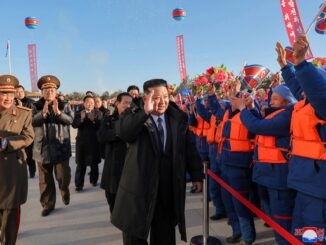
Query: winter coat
point(137, 193)
point(52, 134)
point(115, 153)
point(87, 145)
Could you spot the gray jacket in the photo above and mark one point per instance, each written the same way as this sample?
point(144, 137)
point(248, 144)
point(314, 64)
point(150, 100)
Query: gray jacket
point(52, 134)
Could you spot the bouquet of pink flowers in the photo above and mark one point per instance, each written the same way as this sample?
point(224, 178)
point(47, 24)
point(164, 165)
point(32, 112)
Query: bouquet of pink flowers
point(219, 74)
point(319, 62)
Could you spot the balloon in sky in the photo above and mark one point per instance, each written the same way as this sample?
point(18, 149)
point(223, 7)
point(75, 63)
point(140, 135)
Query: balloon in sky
point(179, 14)
point(31, 22)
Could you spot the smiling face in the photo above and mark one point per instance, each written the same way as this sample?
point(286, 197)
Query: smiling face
point(20, 93)
point(89, 104)
point(49, 94)
point(161, 100)
point(278, 101)
point(6, 100)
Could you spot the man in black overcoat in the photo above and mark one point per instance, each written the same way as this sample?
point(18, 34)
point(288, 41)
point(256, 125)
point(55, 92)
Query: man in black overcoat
point(151, 193)
point(115, 149)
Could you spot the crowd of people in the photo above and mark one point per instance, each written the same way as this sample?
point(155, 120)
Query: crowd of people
point(270, 151)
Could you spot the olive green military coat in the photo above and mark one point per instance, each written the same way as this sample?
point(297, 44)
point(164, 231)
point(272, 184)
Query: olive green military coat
point(16, 127)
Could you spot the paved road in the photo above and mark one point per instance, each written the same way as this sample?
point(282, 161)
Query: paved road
point(86, 220)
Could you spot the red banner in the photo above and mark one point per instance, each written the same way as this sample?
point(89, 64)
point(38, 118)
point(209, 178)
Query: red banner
point(181, 58)
point(33, 66)
point(293, 23)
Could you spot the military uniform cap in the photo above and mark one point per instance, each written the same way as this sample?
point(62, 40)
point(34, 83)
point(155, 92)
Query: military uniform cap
point(48, 81)
point(8, 83)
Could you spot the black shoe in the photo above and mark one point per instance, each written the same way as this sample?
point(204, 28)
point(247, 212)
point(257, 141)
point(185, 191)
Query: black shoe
point(218, 216)
point(66, 200)
point(233, 239)
point(79, 189)
point(46, 211)
point(243, 242)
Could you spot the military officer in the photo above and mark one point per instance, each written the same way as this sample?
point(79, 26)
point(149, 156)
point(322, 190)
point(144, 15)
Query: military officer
point(52, 149)
point(16, 133)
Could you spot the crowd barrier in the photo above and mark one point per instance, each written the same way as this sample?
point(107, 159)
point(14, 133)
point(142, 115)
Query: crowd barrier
point(205, 239)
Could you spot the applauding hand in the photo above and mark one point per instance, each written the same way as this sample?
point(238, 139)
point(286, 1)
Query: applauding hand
point(281, 55)
point(55, 106)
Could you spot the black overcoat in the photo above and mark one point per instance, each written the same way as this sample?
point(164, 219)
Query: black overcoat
point(115, 152)
point(138, 188)
point(87, 146)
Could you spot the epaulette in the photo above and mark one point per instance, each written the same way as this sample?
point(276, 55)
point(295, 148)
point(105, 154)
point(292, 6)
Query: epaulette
point(23, 108)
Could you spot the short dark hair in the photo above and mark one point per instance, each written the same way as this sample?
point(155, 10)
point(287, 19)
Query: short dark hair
point(119, 97)
point(90, 92)
point(154, 83)
point(132, 87)
point(20, 86)
point(88, 96)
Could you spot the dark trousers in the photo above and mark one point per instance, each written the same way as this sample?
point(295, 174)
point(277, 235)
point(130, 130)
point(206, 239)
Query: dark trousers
point(213, 187)
point(110, 198)
point(162, 229)
point(281, 206)
point(62, 173)
point(30, 161)
point(309, 211)
point(239, 216)
point(80, 174)
point(9, 225)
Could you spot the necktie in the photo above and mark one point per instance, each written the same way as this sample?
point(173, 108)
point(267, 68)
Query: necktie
point(160, 130)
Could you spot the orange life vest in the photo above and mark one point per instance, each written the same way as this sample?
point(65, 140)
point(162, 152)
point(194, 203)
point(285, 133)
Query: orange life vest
point(211, 131)
point(266, 146)
point(306, 140)
point(202, 127)
point(219, 129)
point(239, 140)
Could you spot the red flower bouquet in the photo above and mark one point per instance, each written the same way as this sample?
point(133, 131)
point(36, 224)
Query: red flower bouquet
point(201, 82)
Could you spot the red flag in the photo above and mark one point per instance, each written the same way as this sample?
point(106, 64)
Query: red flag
point(289, 55)
point(254, 75)
point(293, 23)
point(321, 23)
